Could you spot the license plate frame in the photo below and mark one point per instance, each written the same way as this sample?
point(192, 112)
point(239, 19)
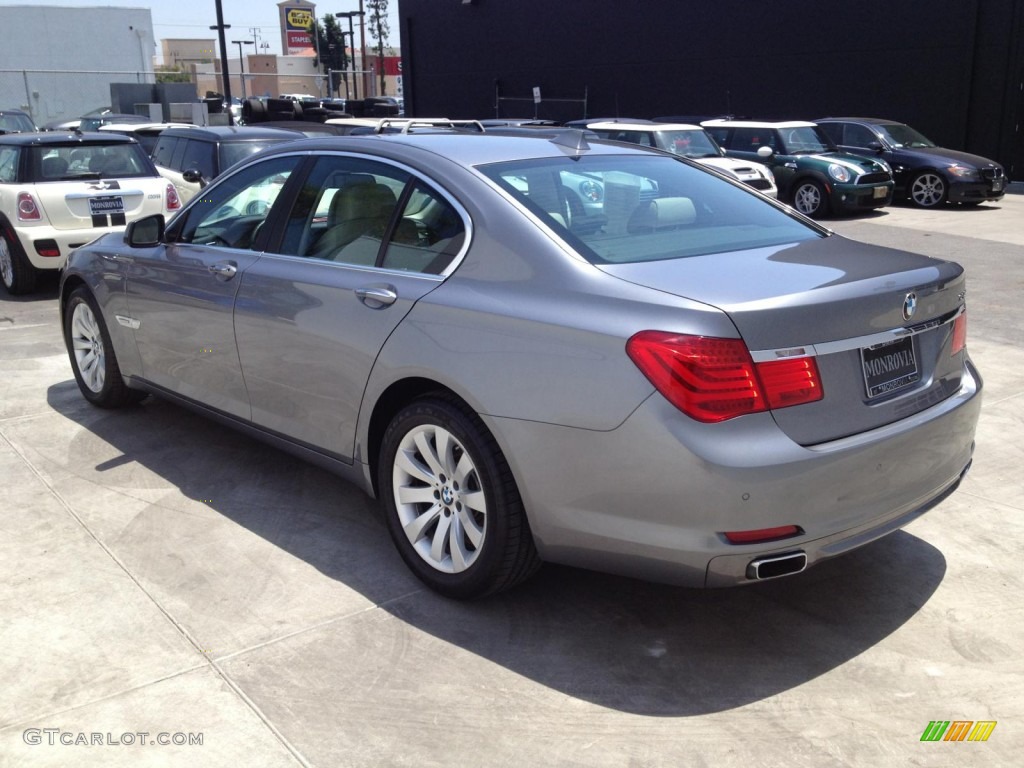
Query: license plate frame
point(105, 205)
point(998, 185)
point(890, 367)
point(879, 192)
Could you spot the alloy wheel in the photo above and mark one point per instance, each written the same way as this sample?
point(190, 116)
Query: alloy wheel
point(87, 344)
point(439, 498)
point(928, 190)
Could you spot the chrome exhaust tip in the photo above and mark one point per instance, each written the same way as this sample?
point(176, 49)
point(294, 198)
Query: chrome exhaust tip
point(776, 565)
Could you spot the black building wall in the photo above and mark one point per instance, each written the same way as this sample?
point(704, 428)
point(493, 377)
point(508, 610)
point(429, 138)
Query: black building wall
point(951, 68)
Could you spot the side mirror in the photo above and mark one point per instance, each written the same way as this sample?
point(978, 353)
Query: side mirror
point(764, 151)
point(876, 146)
point(194, 176)
point(146, 232)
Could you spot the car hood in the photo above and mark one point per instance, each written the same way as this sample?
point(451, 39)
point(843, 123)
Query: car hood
point(942, 157)
point(729, 164)
point(856, 163)
point(811, 292)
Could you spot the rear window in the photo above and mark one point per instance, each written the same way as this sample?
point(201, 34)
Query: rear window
point(619, 209)
point(77, 160)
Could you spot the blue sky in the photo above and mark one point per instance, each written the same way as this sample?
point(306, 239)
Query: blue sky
point(192, 18)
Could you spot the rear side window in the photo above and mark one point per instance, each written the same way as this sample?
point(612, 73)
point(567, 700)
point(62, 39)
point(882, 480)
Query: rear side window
point(9, 164)
point(371, 214)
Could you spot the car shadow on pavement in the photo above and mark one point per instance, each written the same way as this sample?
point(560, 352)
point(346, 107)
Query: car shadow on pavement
point(627, 645)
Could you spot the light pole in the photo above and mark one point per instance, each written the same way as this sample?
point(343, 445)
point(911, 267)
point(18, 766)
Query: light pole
point(348, 15)
point(220, 27)
point(241, 64)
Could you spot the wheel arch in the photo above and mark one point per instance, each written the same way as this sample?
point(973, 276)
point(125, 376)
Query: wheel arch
point(395, 397)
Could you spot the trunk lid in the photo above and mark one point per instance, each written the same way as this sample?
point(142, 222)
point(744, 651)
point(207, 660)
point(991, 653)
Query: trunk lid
point(838, 301)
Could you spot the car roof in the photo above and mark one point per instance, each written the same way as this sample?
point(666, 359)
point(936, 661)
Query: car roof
point(759, 123)
point(466, 148)
point(62, 137)
point(632, 125)
point(869, 120)
point(224, 133)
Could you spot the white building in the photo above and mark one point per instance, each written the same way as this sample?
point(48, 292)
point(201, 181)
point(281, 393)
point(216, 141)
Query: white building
point(57, 62)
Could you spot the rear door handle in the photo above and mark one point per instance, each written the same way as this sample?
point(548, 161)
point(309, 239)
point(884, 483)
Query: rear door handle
point(377, 296)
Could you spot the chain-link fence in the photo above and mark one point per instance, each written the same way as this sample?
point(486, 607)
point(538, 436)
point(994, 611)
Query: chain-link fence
point(53, 96)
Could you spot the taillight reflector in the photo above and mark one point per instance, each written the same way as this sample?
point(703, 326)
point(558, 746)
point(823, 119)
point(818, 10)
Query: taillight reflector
point(763, 534)
point(173, 201)
point(959, 340)
point(712, 380)
point(27, 208)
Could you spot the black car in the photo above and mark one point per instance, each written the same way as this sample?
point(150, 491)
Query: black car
point(192, 157)
point(925, 173)
point(16, 121)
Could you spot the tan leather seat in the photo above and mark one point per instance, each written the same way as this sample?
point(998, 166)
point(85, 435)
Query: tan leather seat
point(356, 211)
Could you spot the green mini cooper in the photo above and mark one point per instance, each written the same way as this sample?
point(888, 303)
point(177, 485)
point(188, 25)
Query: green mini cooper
point(812, 175)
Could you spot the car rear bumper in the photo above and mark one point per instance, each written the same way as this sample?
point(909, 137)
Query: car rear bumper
point(654, 497)
point(34, 239)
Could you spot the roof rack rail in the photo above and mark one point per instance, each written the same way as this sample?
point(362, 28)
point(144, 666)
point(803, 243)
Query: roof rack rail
point(407, 124)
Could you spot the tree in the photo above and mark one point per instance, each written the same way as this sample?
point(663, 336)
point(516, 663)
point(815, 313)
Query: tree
point(166, 74)
point(379, 30)
point(332, 50)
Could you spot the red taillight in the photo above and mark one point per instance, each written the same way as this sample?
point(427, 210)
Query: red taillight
point(708, 379)
point(763, 534)
point(173, 201)
point(959, 340)
point(27, 208)
point(711, 379)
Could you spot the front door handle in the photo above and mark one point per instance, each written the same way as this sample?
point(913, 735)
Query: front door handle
point(224, 270)
point(377, 297)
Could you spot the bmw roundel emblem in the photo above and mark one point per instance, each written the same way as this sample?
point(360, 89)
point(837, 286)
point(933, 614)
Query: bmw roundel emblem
point(909, 306)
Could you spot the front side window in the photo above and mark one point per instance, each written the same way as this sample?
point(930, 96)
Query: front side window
point(858, 136)
point(200, 156)
point(163, 153)
point(620, 209)
point(237, 151)
point(229, 214)
point(367, 213)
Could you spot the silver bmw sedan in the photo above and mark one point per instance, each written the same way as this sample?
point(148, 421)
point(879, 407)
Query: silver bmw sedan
point(546, 348)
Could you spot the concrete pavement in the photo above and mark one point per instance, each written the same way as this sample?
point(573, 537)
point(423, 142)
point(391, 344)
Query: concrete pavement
point(164, 576)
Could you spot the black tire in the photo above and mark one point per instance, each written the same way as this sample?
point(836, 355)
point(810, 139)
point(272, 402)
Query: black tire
point(928, 190)
point(16, 273)
point(479, 501)
point(810, 198)
point(92, 355)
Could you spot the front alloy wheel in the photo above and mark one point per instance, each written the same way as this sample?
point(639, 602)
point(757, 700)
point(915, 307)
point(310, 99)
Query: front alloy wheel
point(451, 503)
point(809, 199)
point(928, 190)
point(92, 356)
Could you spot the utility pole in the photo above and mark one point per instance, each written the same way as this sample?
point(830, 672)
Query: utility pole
point(226, 77)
